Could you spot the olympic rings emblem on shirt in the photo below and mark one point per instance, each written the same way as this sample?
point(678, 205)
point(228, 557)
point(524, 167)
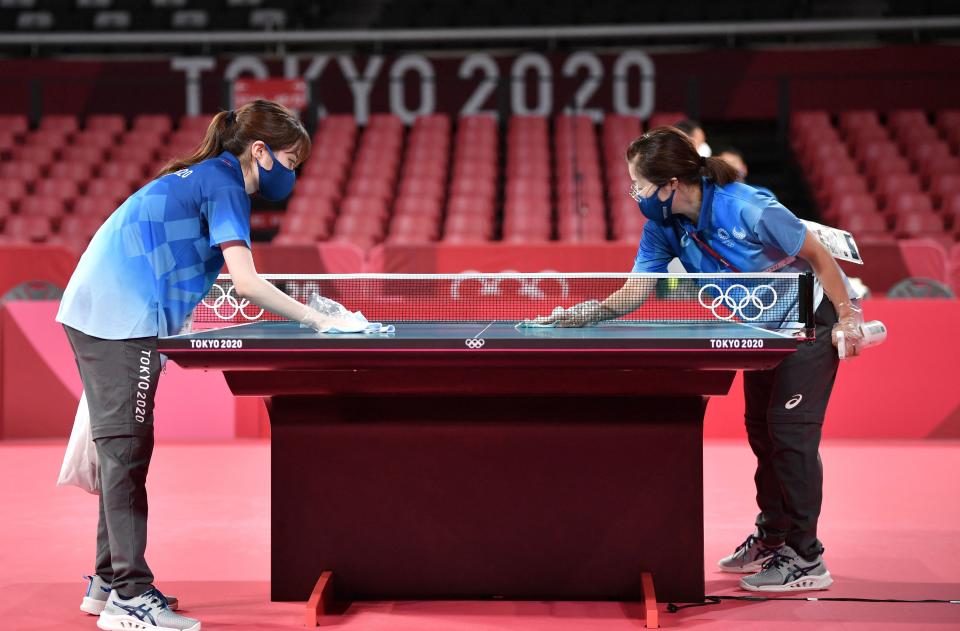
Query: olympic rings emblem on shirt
point(227, 307)
point(474, 342)
point(737, 298)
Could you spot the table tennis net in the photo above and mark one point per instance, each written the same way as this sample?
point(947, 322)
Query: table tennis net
point(780, 301)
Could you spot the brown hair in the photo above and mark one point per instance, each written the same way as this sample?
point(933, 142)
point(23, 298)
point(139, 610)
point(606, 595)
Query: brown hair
point(233, 131)
point(664, 153)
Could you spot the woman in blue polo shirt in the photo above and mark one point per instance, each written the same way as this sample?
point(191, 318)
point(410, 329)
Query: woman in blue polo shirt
point(699, 213)
point(143, 273)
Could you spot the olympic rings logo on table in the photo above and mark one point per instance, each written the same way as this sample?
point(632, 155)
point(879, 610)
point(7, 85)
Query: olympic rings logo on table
point(738, 297)
point(474, 342)
point(227, 298)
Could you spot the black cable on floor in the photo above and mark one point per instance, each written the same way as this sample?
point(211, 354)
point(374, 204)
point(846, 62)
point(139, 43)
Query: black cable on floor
point(715, 600)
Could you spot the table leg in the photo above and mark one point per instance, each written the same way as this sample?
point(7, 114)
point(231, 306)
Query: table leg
point(321, 600)
point(649, 597)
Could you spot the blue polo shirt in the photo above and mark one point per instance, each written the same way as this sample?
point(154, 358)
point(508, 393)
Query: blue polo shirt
point(158, 254)
point(746, 226)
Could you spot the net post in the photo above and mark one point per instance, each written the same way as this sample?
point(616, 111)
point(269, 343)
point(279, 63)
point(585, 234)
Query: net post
point(805, 304)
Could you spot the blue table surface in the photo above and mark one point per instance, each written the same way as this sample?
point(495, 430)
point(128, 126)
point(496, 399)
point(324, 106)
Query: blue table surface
point(500, 330)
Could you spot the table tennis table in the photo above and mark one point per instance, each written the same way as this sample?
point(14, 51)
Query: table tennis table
point(484, 460)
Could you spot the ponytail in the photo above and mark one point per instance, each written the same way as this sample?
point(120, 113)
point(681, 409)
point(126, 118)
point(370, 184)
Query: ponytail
point(233, 131)
point(210, 146)
point(718, 171)
point(664, 153)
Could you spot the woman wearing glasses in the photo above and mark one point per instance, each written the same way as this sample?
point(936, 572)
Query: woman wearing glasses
point(699, 213)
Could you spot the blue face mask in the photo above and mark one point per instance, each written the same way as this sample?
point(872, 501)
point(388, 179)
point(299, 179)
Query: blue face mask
point(656, 210)
point(277, 183)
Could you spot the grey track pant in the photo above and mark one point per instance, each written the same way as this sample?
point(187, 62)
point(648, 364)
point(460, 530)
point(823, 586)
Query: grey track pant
point(120, 381)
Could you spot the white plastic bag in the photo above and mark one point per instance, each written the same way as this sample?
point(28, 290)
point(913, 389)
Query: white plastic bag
point(81, 467)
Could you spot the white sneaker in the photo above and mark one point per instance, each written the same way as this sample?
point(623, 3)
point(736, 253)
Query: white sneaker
point(146, 612)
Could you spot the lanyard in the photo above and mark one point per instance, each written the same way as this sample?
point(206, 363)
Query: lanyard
point(703, 244)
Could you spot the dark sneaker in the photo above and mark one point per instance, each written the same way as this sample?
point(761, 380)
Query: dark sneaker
point(787, 571)
point(748, 558)
point(98, 591)
point(146, 612)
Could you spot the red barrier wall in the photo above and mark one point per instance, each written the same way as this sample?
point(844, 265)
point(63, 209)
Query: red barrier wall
point(40, 385)
point(906, 388)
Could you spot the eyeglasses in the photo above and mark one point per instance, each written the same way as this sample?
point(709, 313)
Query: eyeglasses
point(636, 191)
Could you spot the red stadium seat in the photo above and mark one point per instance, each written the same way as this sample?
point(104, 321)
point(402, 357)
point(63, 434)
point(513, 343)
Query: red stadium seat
point(338, 121)
point(73, 171)
point(13, 189)
point(832, 167)
point(907, 118)
point(145, 138)
point(415, 225)
point(467, 186)
point(875, 150)
point(850, 203)
point(113, 189)
point(857, 119)
point(94, 138)
point(528, 187)
point(159, 123)
point(16, 124)
point(27, 228)
point(424, 187)
point(46, 138)
point(426, 169)
point(943, 186)
point(352, 223)
point(523, 205)
point(370, 187)
point(370, 206)
point(65, 123)
point(83, 153)
point(895, 184)
point(810, 118)
point(319, 187)
point(864, 224)
point(7, 142)
point(306, 204)
point(469, 224)
point(901, 204)
point(26, 171)
point(920, 224)
point(930, 170)
point(914, 135)
point(94, 206)
point(417, 205)
point(63, 190)
point(477, 170)
point(80, 226)
point(197, 123)
point(948, 119)
point(833, 186)
point(928, 151)
point(122, 171)
point(470, 205)
point(41, 156)
point(862, 135)
point(951, 212)
point(112, 124)
point(305, 224)
point(134, 153)
point(884, 168)
point(334, 170)
point(527, 169)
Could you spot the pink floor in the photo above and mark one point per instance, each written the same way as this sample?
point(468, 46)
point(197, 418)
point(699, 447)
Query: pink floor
point(890, 523)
